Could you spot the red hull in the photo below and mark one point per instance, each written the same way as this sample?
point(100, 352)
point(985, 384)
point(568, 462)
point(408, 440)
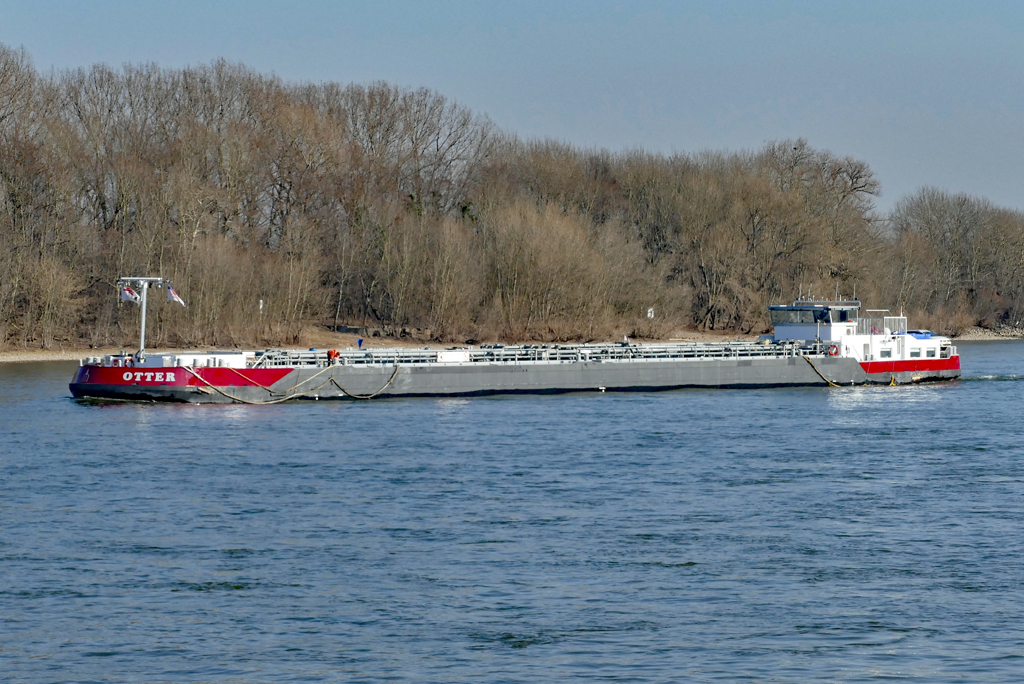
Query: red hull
point(180, 377)
point(912, 365)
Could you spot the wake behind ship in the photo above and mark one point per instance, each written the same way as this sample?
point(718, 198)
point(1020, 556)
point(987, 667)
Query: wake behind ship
point(815, 342)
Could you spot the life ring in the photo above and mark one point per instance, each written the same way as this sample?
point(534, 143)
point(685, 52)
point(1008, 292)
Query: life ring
point(833, 350)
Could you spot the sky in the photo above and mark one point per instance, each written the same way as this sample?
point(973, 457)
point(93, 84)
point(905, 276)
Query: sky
point(928, 93)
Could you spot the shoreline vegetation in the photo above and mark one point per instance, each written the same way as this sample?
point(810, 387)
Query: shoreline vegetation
point(278, 208)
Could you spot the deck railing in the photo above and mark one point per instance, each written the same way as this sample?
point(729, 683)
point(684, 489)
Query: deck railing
point(880, 325)
point(513, 354)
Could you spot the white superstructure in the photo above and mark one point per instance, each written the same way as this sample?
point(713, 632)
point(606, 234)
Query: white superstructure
point(878, 336)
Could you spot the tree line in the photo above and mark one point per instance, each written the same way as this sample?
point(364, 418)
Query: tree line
point(276, 206)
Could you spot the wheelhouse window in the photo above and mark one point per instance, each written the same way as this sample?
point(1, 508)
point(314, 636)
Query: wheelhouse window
point(931, 353)
point(811, 316)
point(792, 316)
point(844, 315)
point(885, 354)
point(915, 353)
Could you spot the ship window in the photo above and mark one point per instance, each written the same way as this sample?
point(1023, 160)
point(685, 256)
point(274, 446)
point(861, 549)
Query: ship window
point(931, 353)
point(915, 353)
point(791, 316)
point(886, 354)
point(844, 315)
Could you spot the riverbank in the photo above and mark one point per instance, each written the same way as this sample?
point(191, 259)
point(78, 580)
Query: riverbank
point(975, 334)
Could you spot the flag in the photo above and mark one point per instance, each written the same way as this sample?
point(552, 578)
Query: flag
point(172, 296)
point(130, 295)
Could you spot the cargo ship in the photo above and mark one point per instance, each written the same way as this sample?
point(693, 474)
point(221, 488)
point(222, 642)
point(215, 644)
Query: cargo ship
point(814, 343)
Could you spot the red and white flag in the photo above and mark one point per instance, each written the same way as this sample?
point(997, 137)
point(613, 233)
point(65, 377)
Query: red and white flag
point(130, 295)
point(172, 296)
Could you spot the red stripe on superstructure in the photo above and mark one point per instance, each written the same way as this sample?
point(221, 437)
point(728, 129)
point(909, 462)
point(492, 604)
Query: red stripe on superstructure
point(911, 365)
point(179, 377)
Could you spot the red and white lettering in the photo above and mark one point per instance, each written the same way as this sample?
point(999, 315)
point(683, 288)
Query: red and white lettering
point(126, 376)
point(159, 377)
point(170, 377)
point(138, 376)
point(149, 377)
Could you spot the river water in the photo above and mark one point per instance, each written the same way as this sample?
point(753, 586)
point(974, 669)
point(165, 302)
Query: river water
point(845, 535)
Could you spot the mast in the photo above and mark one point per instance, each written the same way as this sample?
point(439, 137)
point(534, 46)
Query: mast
point(142, 332)
point(143, 284)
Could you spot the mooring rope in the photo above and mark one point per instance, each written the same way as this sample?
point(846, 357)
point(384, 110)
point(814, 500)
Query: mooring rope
point(366, 396)
point(248, 379)
point(258, 403)
point(294, 395)
point(830, 383)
